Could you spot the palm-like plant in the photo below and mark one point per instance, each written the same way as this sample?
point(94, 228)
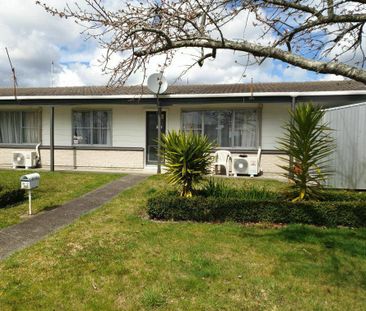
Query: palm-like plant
point(187, 159)
point(307, 142)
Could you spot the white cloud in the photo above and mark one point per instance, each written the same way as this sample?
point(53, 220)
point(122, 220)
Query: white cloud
point(80, 74)
point(35, 39)
point(331, 78)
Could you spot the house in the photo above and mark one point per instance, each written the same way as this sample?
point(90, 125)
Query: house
point(115, 128)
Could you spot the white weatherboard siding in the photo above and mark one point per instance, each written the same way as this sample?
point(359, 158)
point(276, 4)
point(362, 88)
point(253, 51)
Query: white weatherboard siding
point(63, 128)
point(273, 117)
point(128, 126)
point(173, 118)
point(99, 159)
point(46, 125)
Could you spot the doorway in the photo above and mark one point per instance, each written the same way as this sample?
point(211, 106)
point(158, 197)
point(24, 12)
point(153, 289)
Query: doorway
point(152, 135)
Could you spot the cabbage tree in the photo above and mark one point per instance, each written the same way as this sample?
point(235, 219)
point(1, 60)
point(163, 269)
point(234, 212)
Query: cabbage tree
point(308, 144)
point(187, 159)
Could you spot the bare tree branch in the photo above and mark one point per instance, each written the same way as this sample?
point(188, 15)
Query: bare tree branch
point(324, 36)
point(261, 51)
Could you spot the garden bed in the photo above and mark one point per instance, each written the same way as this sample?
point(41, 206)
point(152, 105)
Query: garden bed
point(218, 202)
point(211, 209)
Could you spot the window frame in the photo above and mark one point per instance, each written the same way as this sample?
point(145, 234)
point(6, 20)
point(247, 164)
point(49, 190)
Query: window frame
point(110, 116)
point(21, 127)
point(232, 130)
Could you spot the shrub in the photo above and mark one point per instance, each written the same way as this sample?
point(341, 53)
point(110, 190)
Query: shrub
point(202, 209)
point(343, 195)
point(215, 188)
point(219, 189)
point(187, 159)
point(10, 195)
point(307, 143)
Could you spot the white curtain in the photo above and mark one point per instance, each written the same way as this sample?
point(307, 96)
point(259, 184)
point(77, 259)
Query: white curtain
point(218, 126)
point(31, 127)
point(17, 127)
point(227, 128)
point(192, 121)
point(82, 127)
point(10, 127)
point(245, 129)
point(101, 128)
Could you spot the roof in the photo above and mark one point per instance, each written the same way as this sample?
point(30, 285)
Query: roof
point(193, 89)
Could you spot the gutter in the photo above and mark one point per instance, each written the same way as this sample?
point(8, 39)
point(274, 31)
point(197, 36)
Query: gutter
point(345, 106)
point(174, 96)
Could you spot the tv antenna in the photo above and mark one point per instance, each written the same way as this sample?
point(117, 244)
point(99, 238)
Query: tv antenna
point(158, 85)
point(15, 83)
point(52, 73)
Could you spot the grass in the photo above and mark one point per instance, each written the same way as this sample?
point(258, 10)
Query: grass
point(260, 189)
point(55, 189)
point(223, 188)
point(116, 259)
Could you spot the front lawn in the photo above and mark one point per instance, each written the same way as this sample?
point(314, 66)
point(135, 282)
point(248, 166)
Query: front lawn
point(115, 258)
point(55, 189)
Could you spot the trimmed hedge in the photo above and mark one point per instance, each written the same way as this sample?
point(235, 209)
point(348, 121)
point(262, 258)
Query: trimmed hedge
point(211, 209)
point(10, 196)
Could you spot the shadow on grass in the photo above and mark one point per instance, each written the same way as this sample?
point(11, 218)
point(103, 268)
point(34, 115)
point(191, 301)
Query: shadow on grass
point(338, 255)
point(349, 241)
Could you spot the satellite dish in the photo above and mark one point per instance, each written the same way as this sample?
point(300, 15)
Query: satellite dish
point(157, 83)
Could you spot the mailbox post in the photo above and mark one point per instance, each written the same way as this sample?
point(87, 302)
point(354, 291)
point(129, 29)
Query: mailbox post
point(29, 182)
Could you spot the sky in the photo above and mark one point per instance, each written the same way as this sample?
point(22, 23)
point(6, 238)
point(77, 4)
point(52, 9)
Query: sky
point(35, 40)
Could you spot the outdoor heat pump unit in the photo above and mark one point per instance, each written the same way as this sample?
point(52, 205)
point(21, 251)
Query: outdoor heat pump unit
point(249, 165)
point(25, 159)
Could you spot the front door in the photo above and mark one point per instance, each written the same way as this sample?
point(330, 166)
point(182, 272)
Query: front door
point(152, 135)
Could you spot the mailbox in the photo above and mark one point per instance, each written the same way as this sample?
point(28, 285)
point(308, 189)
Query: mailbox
point(29, 181)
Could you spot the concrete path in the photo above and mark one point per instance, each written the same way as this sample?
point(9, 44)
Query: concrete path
point(30, 231)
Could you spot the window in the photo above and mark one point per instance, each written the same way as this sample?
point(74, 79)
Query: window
point(227, 128)
point(92, 127)
point(192, 121)
point(20, 127)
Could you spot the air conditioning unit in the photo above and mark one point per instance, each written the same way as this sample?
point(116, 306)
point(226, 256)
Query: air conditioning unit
point(246, 166)
point(25, 159)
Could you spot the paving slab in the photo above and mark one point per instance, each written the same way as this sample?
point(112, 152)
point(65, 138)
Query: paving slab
point(39, 226)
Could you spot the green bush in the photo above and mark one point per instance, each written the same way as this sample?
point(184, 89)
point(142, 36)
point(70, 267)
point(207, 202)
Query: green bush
point(10, 195)
point(343, 195)
point(187, 159)
point(211, 209)
point(307, 143)
point(219, 189)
